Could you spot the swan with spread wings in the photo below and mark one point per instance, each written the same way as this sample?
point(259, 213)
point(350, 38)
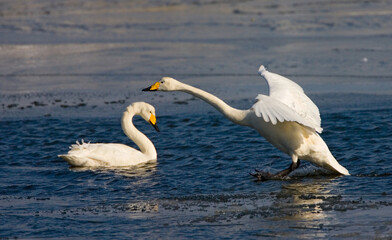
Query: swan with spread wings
point(287, 118)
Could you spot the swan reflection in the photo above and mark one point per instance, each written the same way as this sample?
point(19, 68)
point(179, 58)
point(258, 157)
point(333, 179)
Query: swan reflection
point(305, 205)
point(142, 170)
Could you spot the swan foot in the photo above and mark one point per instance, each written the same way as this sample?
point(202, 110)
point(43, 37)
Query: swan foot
point(264, 176)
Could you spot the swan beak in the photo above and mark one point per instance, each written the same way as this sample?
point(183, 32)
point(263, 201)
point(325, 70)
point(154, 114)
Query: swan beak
point(153, 122)
point(153, 87)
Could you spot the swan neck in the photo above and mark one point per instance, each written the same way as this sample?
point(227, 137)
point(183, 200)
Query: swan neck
point(141, 140)
point(235, 115)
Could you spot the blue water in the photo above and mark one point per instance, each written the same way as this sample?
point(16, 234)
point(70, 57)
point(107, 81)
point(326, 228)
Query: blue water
point(200, 186)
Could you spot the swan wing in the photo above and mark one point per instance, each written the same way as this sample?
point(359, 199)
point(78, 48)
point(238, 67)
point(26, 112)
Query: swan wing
point(275, 111)
point(292, 95)
point(99, 154)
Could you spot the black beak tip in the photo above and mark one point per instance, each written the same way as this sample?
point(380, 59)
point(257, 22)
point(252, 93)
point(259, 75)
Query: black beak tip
point(146, 89)
point(155, 126)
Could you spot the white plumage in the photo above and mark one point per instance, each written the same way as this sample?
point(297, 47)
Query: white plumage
point(286, 117)
point(287, 101)
point(115, 154)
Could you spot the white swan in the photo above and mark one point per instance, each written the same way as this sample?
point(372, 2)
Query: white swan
point(287, 118)
point(114, 154)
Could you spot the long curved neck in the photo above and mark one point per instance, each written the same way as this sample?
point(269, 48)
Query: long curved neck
point(145, 145)
point(235, 115)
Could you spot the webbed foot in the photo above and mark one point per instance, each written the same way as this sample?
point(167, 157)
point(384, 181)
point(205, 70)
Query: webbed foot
point(264, 176)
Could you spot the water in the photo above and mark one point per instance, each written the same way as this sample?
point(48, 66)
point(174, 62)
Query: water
point(69, 69)
point(199, 186)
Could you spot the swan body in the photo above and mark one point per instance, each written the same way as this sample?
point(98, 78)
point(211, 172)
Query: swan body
point(287, 118)
point(115, 154)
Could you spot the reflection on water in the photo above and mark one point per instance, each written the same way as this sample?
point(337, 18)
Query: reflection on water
point(142, 170)
point(302, 208)
point(302, 201)
point(297, 201)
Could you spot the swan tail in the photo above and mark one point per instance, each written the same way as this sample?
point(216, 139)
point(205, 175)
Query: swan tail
point(73, 160)
point(322, 156)
point(334, 165)
point(76, 156)
point(79, 146)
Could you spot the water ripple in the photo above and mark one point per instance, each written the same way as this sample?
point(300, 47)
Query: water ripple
point(201, 176)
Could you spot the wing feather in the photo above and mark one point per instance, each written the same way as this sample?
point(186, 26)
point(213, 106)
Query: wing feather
point(298, 105)
point(274, 111)
point(279, 116)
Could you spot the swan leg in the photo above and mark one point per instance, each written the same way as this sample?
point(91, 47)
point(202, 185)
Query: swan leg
point(263, 176)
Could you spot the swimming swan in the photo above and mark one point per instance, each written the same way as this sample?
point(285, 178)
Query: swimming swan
point(286, 117)
point(115, 154)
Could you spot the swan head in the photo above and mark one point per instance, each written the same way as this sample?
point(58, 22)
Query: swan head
point(146, 111)
point(165, 84)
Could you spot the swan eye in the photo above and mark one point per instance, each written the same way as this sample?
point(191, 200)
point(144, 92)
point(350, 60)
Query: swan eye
point(162, 81)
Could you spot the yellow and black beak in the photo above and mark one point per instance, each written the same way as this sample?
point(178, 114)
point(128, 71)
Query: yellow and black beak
point(153, 87)
point(153, 122)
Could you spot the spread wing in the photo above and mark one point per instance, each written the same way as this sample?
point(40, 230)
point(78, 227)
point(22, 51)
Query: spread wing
point(286, 102)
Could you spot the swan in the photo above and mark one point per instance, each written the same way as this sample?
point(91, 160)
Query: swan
point(115, 154)
point(287, 118)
